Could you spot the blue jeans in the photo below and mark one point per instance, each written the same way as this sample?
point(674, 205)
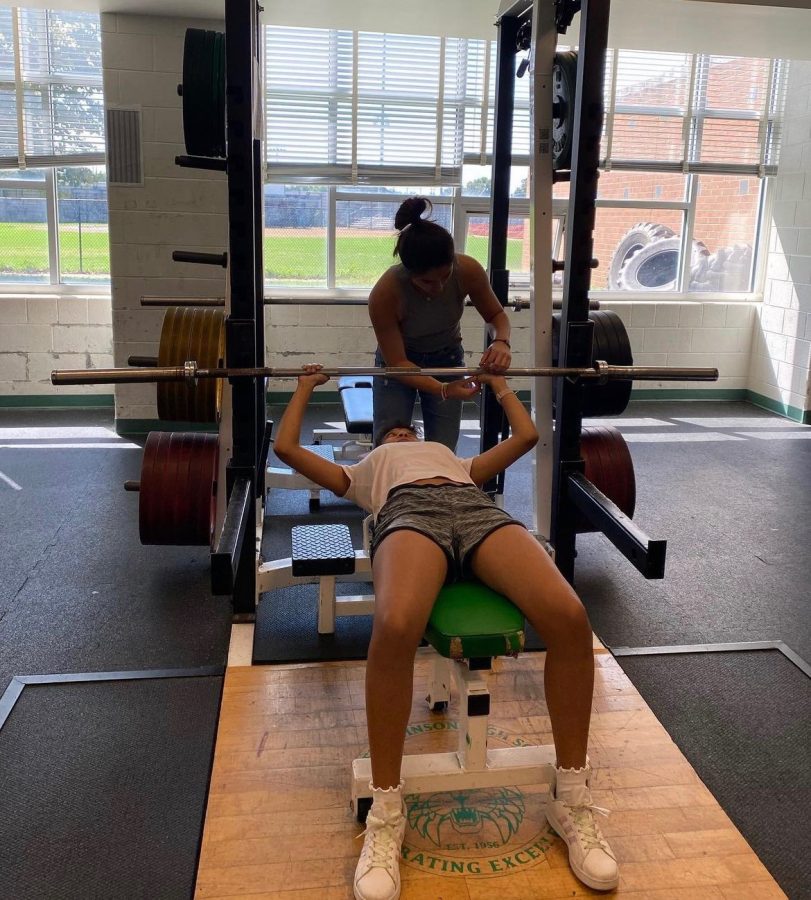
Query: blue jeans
point(394, 401)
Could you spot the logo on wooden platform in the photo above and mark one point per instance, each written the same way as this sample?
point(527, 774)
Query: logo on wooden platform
point(480, 831)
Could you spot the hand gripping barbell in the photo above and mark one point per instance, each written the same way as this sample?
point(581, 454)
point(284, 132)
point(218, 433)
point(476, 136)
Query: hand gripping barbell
point(191, 372)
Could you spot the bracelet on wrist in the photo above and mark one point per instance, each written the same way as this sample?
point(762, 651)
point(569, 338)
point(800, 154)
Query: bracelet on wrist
point(502, 341)
point(443, 390)
point(503, 393)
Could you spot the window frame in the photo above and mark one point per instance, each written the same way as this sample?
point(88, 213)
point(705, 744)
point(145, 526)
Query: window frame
point(54, 285)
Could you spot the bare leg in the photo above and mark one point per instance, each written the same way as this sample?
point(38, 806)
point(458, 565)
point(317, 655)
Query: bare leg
point(512, 562)
point(408, 571)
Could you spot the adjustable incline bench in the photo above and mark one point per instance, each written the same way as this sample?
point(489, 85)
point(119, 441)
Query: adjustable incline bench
point(469, 626)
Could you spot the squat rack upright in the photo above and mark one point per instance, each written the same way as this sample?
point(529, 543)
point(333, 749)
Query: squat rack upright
point(561, 490)
point(233, 560)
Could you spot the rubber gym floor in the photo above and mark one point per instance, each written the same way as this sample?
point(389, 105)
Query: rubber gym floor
point(105, 759)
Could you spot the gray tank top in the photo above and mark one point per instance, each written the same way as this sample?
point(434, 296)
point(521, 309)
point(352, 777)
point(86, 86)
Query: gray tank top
point(430, 324)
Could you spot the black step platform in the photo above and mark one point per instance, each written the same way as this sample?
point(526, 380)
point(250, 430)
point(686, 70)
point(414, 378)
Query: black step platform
point(322, 550)
point(104, 787)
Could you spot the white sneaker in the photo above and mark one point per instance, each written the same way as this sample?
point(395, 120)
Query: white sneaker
point(377, 876)
point(590, 857)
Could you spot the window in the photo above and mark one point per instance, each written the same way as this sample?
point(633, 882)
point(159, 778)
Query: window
point(708, 120)
point(53, 197)
point(689, 143)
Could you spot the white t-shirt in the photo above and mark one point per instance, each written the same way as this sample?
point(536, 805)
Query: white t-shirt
point(391, 465)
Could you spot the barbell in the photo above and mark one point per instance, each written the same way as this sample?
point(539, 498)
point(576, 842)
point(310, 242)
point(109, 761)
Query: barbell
point(191, 372)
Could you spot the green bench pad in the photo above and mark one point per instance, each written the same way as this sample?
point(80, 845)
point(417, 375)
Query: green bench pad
point(470, 620)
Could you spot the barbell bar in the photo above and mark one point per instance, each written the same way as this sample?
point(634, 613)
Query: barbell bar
point(191, 372)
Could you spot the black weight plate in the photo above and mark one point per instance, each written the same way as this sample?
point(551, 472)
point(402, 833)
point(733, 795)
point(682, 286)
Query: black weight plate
point(193, 55)
point(610, 344)
point(219, 94)
point(564, 84)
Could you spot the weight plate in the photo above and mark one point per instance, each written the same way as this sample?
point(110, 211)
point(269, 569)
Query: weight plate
point(609, 468)
point(610, 343)
point(178, 489)
point(203, 92)
point(191, 333)
point(564, 84)
point(167, 391)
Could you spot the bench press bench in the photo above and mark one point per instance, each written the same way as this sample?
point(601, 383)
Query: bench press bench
point(469, 625)
point(355, 393)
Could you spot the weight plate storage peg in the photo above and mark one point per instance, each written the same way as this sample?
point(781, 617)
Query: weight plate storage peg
point(609, 468)
point(178, 488)
point(191, 333)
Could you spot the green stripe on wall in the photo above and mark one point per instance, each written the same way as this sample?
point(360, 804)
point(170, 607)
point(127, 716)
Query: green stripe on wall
point(57, 401)
point(142, 426)
point(689, 394)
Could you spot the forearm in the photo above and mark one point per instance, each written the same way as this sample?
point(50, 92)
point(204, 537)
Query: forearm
point(499, 327)
point(423, 383)
point(521, 424)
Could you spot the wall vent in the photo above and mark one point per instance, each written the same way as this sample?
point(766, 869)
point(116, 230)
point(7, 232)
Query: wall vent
point(124, 158)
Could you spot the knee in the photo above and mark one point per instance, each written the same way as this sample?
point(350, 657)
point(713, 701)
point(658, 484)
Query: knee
point(571, 625)
point(394, 636)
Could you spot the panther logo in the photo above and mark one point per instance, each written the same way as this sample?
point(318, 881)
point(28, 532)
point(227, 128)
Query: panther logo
point(466, 812)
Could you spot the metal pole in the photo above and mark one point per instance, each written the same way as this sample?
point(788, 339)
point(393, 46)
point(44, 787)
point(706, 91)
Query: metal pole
point(575, 327)
point(516, 303)
point(491, 416)
point(191, 372)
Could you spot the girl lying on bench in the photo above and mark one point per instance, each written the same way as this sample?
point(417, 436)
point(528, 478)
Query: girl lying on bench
point(434, 525)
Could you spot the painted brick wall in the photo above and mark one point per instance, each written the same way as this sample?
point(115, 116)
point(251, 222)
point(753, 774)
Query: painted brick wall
point(174, 209)
point(39, 333)
point(781, 353)
point(661, 333)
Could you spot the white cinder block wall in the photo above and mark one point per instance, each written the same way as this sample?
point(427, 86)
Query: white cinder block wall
point(43, 332)
point(781, 354)
point(662, 333)
point(175, 209)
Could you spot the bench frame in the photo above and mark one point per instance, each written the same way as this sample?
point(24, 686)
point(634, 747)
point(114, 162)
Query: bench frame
point(472, 765)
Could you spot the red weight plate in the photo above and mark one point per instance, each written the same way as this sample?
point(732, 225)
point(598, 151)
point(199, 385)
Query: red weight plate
point(609, 468)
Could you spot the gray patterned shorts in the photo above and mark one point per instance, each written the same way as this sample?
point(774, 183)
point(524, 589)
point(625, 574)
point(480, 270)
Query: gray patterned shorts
point(456, 517)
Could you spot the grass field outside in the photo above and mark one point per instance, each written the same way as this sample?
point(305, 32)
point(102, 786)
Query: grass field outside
point(290, 258)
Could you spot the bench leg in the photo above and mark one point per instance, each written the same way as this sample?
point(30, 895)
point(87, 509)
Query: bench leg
point(326, 604)
point(439, 683)
point(474, 712)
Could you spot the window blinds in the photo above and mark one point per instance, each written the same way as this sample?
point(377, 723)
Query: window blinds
point(364, 107)
point(51, 102)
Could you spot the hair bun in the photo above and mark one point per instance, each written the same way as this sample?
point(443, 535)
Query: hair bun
point(410, 212)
